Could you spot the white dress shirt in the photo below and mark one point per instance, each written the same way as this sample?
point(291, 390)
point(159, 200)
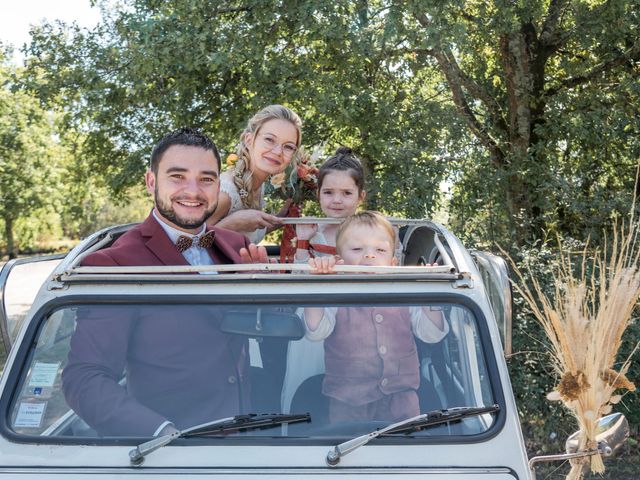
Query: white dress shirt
point(194, 255)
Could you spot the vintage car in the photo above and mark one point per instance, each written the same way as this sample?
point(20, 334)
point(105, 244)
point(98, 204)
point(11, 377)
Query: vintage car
point(468, 425)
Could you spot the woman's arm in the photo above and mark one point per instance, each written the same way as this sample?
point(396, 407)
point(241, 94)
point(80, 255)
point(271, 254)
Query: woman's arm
point(221, 211)
point(249, 221)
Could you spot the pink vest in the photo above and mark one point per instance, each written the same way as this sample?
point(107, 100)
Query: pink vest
point(370, 353)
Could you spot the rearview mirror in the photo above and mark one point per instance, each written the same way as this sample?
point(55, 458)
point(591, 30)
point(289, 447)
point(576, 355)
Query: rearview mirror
point(263, 323)
point(612, 433)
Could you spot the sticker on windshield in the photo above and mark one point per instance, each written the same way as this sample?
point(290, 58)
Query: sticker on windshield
point(44, 374)
point(30, 415)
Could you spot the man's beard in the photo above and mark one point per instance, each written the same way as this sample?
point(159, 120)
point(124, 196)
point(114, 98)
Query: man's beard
point(169, 213)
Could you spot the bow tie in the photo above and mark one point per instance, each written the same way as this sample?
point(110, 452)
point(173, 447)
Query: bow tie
point(204, 241)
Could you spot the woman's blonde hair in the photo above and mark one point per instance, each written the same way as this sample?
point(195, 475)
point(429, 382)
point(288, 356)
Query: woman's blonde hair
point(242, 174)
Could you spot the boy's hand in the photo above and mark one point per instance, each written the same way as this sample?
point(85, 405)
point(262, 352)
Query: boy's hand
point(322, 265)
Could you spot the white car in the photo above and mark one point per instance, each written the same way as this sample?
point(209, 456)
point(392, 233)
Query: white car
point(467, 426)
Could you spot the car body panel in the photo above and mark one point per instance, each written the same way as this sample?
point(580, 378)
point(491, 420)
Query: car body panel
point(496, 454)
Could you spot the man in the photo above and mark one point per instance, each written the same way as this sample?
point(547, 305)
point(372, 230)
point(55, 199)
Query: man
point(181, 369)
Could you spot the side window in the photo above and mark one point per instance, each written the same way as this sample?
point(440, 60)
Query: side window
point(495, 276)
point(41, 406)
point(20, 280)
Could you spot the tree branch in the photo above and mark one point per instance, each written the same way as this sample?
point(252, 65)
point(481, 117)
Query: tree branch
point(550, 34)
point(631, 55)
point(478, 129)
point(457, 79)
point(493, 106)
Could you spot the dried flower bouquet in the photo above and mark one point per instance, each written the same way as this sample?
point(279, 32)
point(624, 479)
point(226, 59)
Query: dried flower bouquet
point(584, 320)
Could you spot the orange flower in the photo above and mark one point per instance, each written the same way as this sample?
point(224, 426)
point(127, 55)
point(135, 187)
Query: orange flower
point(278, 180)
point(232, 158)
point(303, 170)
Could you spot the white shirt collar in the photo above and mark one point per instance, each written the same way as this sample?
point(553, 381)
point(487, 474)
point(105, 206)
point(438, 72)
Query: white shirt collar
point(174, 233)
point(193, 255)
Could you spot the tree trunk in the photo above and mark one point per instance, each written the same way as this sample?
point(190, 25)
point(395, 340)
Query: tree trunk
point(524, 67)
point(12, 248)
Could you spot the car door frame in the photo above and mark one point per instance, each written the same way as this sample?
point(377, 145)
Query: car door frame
point(4, 278)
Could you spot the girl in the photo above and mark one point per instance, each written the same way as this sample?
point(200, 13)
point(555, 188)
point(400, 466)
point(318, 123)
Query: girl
point(340, 192)
point(267, 145)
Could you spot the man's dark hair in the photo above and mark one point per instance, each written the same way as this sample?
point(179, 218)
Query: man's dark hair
point(183, 136)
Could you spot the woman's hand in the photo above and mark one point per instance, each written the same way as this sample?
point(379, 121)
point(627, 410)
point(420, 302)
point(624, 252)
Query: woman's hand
point(249, 221)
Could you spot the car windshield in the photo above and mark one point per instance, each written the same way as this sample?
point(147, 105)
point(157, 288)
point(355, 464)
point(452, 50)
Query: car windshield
point(132, 370)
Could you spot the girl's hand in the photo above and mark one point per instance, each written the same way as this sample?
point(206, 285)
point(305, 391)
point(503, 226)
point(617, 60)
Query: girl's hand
point(322, 265)
point(306, 231)
point(249, 221)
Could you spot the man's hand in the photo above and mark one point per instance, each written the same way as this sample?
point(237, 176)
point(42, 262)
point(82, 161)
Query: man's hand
point(324, 265)
point(254, 254)
point(249, 220)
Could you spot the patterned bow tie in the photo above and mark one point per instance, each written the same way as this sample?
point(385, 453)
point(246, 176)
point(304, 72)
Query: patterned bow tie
point(204, 241)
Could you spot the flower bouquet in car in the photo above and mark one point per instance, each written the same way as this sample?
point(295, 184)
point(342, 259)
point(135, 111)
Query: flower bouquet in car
point(299, 181)
point(297, 184)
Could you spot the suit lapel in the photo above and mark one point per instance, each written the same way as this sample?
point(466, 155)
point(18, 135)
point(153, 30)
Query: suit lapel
point(160, 244)
point(222, 251)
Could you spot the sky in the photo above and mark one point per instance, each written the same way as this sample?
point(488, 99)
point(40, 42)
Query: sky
point(17, 16)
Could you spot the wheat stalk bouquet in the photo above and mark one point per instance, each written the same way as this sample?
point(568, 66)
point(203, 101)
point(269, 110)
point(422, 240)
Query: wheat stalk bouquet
point(584, 320)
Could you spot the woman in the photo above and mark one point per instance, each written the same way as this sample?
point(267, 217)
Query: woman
point(267, 146)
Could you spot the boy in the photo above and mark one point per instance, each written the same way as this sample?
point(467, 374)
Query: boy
point(372, 369)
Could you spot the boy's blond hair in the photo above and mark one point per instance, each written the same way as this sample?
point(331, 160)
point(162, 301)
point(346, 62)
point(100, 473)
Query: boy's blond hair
point(368, 218)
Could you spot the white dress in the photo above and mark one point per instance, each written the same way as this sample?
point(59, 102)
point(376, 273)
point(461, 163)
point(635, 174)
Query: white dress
point(227, 186)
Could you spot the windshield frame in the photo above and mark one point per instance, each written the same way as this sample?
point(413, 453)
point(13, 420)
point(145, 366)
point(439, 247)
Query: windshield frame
point(25, 352)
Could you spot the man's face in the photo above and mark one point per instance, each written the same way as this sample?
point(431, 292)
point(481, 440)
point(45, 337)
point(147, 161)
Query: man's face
point(185, 189)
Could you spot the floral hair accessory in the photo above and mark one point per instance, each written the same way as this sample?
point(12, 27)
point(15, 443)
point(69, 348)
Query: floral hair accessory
point(243, 193)
point(231, 160)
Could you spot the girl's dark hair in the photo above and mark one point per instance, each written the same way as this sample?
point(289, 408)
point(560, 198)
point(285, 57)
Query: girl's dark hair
point(344, 161)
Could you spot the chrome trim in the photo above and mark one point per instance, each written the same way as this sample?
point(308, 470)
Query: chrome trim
point(255, 268)
point(260, 471)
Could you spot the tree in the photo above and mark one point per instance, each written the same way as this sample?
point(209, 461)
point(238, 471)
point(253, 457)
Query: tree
point(536, 83)
point(506, 99)
point(212, 65)
point(28, 175)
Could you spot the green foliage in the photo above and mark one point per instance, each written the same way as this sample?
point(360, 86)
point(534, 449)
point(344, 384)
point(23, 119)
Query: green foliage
point(528, 109)
point(156, 66)
point(29, 171)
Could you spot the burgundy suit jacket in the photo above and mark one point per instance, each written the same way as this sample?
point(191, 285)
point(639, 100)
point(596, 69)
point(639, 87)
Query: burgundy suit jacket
point(148, 244)
point(179, 366)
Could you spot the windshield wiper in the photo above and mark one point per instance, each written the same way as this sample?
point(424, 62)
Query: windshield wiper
point(250, 421)
point(425, 420)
